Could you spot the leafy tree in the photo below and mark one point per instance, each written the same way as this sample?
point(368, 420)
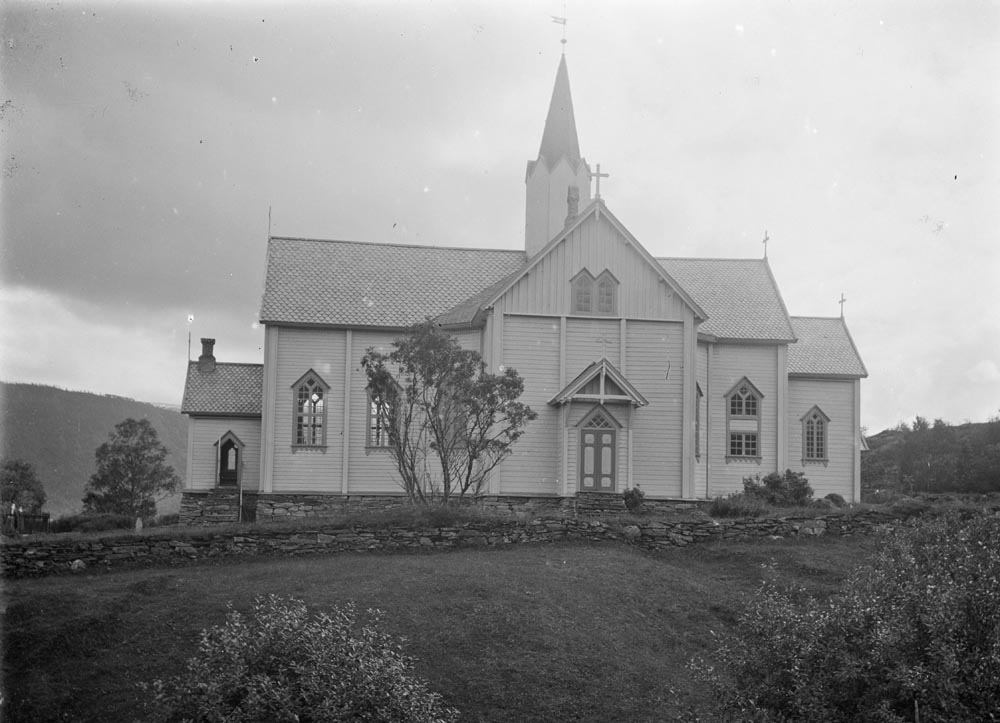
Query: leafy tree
point(131, 472)
point(914, 635)
point(448, 420)
point(20, 485)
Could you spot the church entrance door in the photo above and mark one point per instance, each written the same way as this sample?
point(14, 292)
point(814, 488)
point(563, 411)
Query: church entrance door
point(597, 459)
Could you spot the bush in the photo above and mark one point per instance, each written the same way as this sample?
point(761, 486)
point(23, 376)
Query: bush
point(916, 633)
point(90, 522)
point(633, 499)
point(278, 663)
point(789, 490)
point(738, 504)
point(836, 499)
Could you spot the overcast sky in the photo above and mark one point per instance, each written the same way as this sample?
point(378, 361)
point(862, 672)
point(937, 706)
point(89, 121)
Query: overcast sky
point(144, 144)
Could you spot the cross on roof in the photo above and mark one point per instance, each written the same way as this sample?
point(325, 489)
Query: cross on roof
point(766, 239)
point(598, 175)
point(843, 300)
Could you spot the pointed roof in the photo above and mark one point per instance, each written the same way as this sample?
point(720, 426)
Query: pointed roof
point(350, 283)
point(559, 137)
point(229, 390)
point(740, 296)
point(825, 349)
point(600, 382)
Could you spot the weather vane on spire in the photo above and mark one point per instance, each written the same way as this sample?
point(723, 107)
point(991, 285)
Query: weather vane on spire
point(561, 21)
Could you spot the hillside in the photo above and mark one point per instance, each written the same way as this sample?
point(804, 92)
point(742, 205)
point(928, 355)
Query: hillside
point(57, 431)
point(933, 457)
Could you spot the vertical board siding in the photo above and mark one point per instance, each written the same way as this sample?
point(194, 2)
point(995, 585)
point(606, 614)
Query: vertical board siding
point(371, 470)
point(657, 429)
point(300, 469)
point(729, 364)
point(701, 460)
point(836, 399)
point(202, 453)
point(531, 345)
point(595, 245)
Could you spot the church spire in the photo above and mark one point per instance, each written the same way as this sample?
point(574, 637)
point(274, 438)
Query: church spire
point(559, 138)
point(558, 174)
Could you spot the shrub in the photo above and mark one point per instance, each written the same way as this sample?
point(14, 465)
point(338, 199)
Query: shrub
point(738, 504)
point(789, 490)
point(279, 663)
point(91, 522)
point(634, 497)
point(913, 635)
point(836, 499)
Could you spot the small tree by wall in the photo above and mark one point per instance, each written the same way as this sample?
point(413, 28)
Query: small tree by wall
point(131, 472)
point(19, 485)
point(448, 421)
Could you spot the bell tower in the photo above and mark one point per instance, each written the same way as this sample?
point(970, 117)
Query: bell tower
point(558, 170)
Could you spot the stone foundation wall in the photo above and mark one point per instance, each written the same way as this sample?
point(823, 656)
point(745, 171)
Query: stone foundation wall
point(209, 507)
point(153, 547)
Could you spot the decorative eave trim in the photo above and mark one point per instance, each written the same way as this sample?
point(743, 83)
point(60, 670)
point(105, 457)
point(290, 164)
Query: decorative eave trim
point(831, 377)
point(222, 415)
point(741, 382)
point(602, 369)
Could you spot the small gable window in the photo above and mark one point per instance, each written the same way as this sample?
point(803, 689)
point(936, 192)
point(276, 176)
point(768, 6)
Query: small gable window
point(607, 294)
point(378, 422)
point(814, 436)
point(583, 293)
point(598, 296)
point(743, 410)
point(310, 411)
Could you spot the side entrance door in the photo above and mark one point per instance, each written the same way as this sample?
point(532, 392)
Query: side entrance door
point(597, 459)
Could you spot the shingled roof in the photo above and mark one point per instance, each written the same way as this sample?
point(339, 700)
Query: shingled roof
point(229, 389)
point(740, 297)
point(824, 348)
point(348, 283)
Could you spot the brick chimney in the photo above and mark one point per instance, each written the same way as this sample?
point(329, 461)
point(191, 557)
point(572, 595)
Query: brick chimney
point(572, 203)
point(206, 362)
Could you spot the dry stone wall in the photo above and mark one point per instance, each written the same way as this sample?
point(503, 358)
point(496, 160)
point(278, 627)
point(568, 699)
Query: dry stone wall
point(26, 558)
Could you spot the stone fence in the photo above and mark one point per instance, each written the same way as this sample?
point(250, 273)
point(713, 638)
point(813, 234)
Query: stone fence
point(155, 547)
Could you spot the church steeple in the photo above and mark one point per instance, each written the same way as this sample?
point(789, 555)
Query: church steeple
point(559, 137)
point(558, 174)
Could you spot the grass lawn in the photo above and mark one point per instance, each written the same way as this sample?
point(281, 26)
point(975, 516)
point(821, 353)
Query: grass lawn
point(563, 632)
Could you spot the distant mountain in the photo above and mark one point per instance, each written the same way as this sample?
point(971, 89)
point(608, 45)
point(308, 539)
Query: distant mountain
point(57, 431)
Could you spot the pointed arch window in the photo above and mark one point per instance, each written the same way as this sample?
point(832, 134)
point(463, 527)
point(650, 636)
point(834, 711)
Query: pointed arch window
point(228, 460)
point(815, 437)
point(743, 433)
point(378, 421)
point(309, 410)
point(594, 295)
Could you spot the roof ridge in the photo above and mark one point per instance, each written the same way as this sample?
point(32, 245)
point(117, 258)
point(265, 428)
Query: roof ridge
point(703, 258)
point(824, 318)
point(394, 244)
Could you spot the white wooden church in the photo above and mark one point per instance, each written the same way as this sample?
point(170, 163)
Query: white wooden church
point(678, 375)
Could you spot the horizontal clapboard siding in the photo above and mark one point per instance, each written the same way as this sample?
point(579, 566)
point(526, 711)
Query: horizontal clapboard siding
point(836, 399)
point(207, 431)
point(531, 346)
point(729, 363)
point(590, 340)
point(595, 245)
point(302, 469)
point(653, 348)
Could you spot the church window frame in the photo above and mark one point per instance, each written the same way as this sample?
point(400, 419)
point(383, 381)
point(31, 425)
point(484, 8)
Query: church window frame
point(309, 411)
point(606, 294)
point(815, 437)
point(744, 402)
point(229, 461)
point(377, 422)
point(582, 292)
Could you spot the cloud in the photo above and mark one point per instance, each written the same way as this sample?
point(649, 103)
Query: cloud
point(985, 372)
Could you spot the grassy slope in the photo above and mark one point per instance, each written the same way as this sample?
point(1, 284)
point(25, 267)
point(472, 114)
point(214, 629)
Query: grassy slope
point(57, 431)
point(532, 633)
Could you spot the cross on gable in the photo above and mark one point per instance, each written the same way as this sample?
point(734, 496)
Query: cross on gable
point(843, 300)
point(598, 175)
